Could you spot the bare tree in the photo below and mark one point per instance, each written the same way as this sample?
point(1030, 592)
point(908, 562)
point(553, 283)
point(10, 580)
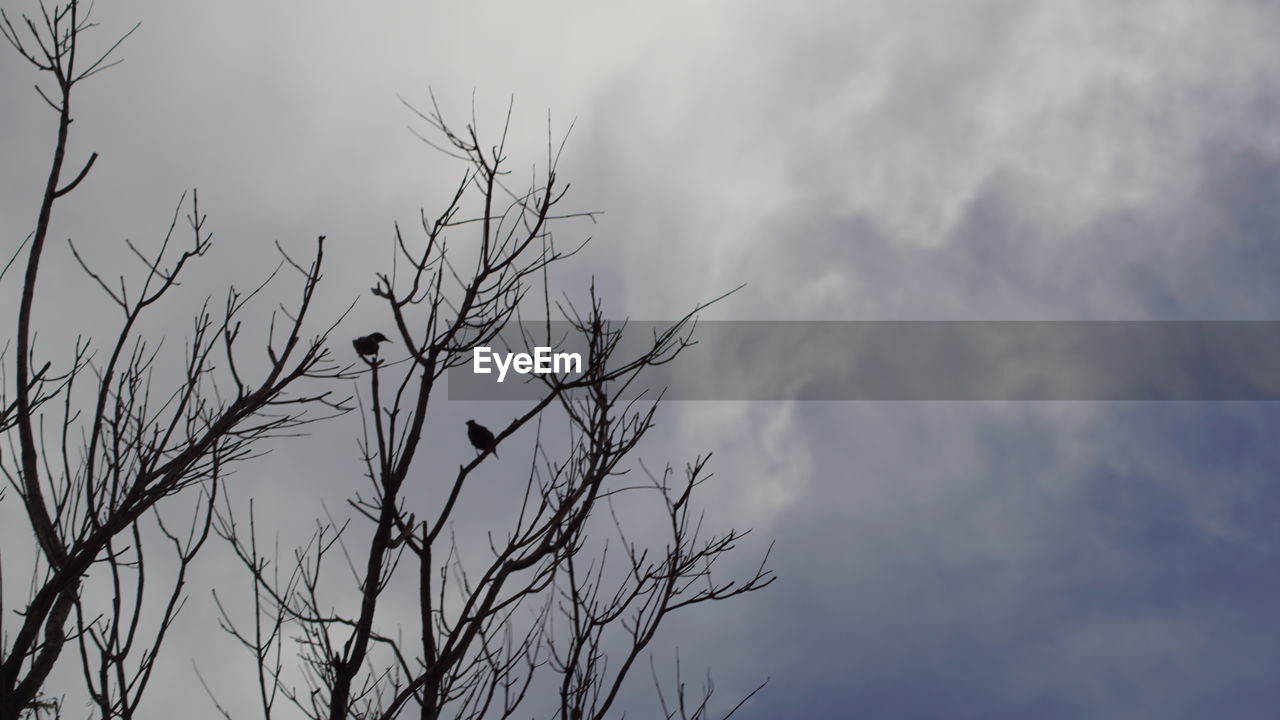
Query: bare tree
point(564, 600)
point(95, 447)
point(122, 447)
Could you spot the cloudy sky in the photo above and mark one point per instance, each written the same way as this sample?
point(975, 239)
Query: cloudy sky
point(862, 160)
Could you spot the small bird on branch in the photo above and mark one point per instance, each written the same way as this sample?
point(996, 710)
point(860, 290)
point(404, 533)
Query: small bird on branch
point(367, 345)
point(481, 437)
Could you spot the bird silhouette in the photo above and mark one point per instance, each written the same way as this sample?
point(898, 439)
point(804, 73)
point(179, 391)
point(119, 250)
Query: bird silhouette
point(481, 437)
point(368, 344)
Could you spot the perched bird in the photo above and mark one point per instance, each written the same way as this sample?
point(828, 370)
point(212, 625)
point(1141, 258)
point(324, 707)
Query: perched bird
point(368, 345)
point(481, 437)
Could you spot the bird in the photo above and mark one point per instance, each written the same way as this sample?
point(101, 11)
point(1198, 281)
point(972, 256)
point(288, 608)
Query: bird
point(481, 437)
point(368, 344)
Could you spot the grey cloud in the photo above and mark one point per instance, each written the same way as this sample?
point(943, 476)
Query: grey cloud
point(915, 161)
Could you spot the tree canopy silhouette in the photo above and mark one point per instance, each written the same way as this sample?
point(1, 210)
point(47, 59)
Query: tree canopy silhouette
point(549, 614)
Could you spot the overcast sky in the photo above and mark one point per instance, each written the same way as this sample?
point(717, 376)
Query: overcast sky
point(974, 159)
